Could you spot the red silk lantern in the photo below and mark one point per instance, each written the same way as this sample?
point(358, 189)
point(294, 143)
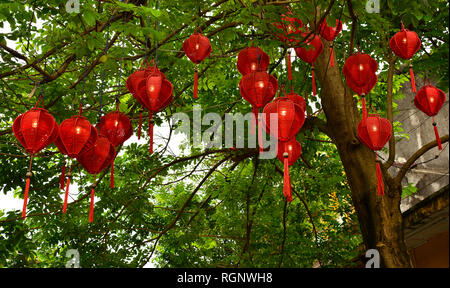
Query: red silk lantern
point(309, 54)
point(405, 44)
point(375, 132)
point(329, 34)
point(76, 136)
point(116, 126)
point(297, 99)
point(156, 92)
point(429, 100)
point(258, 88)
point(290, 27)
point(35, 130)
point(252, 59)
point(288, 152)
point(133, 82)
point(197, 48)
point(360, 73)
point(290, 119)
point(96, 160)
point(290, 31)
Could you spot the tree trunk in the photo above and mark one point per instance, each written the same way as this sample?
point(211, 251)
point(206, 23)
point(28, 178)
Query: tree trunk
point(379, 216)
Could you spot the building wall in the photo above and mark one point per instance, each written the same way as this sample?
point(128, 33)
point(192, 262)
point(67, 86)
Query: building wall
point(433, 254)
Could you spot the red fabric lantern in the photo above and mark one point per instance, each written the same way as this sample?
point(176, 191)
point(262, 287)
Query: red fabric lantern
point(252, 59)
point(76, 136)
point(288, 152)
point(297, 99)
point(197, 48)
point(133, 82)
point(96, 160)
point(116, 126)
point(258, 88)
point(429, 100)
point(375, 132)
point(405, 44)
point(290, 27)
point(35, 130)
point(313, 48)
point(360, 73)
point(330, 33)
point(290, 119)
point(156, 92)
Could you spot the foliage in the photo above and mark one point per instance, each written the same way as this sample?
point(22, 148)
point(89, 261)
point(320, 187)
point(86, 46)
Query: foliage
point(163, 206)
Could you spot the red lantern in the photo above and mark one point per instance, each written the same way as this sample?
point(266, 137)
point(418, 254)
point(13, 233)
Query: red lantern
point(405, 44)
point(297, 99)
point(375, 132)
point(35, 130)
point(330, 33)
point(309, 54)
point(290, 119)
point(133, 82)
point(290, 27)
point(96, 160)
point(288, 152)
point(252, 59)
point(429, 100)
point(197, 48)
point(116, 126)
point(258, 88)
point(360, 73)
point(156, 92)
point(76, 136)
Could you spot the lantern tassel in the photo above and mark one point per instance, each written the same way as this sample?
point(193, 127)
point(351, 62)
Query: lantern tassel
point(331, 56)
point(27, 189)
point(380, 183)
point(196, 84)
point(25, 198)
point(413, 79)
point(314, 82)
point(150, 132)
point(67, 191)
point(254, 117)
point(438, 139)
point(260, 137)
point(63, 176)
point(91, 208)
point(289, 66)
point(140, 125)
point(112, 174)
point(287, 181)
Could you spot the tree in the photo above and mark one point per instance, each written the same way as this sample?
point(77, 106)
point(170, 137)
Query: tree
point(206, 207)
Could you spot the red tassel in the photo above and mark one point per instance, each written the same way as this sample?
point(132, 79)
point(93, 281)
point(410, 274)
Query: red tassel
point(140, 125)
point(260, 137)
point(67, 192)
point(380, 183)
point(63, 176)
point(331, 57)
point(438, 139)
point(91, 208)
point(289, 66)
point(195, 84)
point(112, 174)
point(364, 109)
point(287, 181)
point(413, 79)
point(314, 83)
point(254, 117)
point(150, 132)
point(25, 198)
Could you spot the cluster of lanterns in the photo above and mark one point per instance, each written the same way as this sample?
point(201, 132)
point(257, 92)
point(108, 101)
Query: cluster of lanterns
point(76, 137)
point(95, 147)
